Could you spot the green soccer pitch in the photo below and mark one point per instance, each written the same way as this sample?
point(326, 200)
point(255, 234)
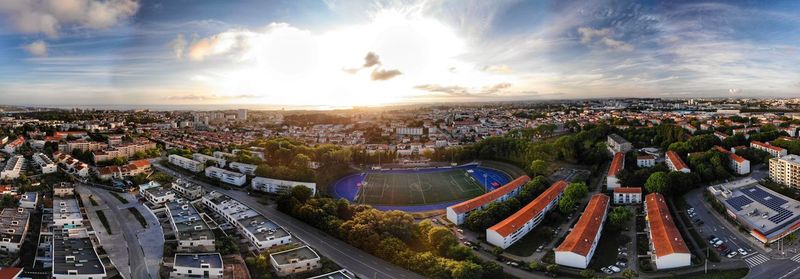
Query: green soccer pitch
point(418, 188)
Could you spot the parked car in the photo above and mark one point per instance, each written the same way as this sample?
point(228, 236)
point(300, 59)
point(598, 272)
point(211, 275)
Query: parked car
point(621, 264)
point(742, 252)
point(624, 254)
point(614, 268)
point(540, 248)
point(722, 248)
point(719, 242)
point(732, 254)
point(606, 270)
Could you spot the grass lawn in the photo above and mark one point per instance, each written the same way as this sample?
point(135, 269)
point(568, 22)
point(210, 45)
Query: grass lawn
point(138, 216)
point(606, 252)
point(102, 216)
point(120, 198)
point(528, 244)
point(419, 188)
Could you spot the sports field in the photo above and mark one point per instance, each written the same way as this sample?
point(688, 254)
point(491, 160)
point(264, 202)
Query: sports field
point(418, 189)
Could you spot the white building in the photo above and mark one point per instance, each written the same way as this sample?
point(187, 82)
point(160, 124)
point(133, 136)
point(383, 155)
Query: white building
point(203, 158)
point(46, 165)
point(159, 196)
point(645, 161)
point(458, 213)
point(275, 186)
point(74, 256)
point(186, 163)
point(627, 195)
point(736, 163)
point(197, 266)
point(259, 230)
point(519, 224)
point(248, 169)
point(617, 144)
point(13, 167)
point(226, 176)
point(29, 200)
point(771, 149)
point(191, 232)
point(666, 243)
point(578, 247)
point(66, 211)
point(13, 229)
point(785, 170)
point(675, 163)
point(617, 164)
point(409, 131)
point(294, 261)
point(187, 189)
point(11, 147)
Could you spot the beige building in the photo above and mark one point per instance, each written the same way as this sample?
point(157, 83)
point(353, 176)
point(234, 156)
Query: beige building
point(785, 170)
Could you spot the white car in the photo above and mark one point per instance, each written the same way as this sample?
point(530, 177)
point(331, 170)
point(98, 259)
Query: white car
point(606, 270)
point(614, 268)
point(732, 254)
point(742, 252)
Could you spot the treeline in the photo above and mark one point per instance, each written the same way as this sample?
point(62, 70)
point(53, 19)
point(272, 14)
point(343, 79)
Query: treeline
point(791, 146)
point(432, 251)
point(291, 160)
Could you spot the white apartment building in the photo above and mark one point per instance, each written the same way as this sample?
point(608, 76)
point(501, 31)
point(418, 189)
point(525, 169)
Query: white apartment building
point(11, 147)
point(248, 169)
point(13, 167)
point(74, 255)
point(785, 170)
point(771, 149)
point(627, 195)
point(191, 232)
point(13, 229)
point(230, 177)
point(294, 261)
point(260, 231)
point(29, 200)
point(617, 144)
point(617, 164)
point(66, 211)
point(516, 226)
point(675, 163)
point(645, 161)
point(275, 186)
point(46, 165)
point(186, 163)
point(187, 189)
point(197, 266)
point(159, 196)
point(458, 213)
point(668, 250)
point(203, 158)
point(579, 246)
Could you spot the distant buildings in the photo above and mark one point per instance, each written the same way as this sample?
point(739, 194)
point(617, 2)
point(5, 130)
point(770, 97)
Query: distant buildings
point(772, 150)
point(666, 243)
point(617, 144)
point(208, 265)
point(186, 163)
point(29, 200)
point(617, 164)
point(275, 186)
point(187, 189)
point(296, 260)
point(203, 158)
point(11, 147)
point(519, 224)
point(458, 213)
point(627, 195)
point(785, 170)
point(578, 247)
point(736, 163)
point(230, 177)
point(675, 163)
point(248, 169)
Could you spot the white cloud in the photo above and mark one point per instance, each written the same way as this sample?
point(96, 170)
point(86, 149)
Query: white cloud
point(588, 33)
point(178, 46)
point(498, 69)
point(603, 36)
point(37, 48)
point(49, 16)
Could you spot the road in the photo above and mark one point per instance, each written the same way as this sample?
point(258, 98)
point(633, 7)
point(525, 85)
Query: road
point(359, 262)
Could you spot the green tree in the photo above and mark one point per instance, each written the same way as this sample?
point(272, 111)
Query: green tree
point(538, 167)
point(535, 266)
point(301, 193)
point(628, 273)
point(552, 268)
point(619, 216)
point(587, 273)
point(658, 182)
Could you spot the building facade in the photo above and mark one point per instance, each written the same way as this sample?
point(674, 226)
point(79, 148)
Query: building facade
point(785, 170)
point(668, 250)
point(276, 186)
point(516, 226)
point(458, 213)
point(578, 248)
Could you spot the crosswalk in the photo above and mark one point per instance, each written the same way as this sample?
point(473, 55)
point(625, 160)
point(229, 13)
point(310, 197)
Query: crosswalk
point(796, 258)
point(756, 259)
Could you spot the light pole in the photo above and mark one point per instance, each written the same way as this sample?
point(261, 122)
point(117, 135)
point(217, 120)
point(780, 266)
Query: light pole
point(485, 183)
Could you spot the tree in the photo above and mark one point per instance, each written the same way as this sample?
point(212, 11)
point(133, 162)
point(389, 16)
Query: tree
point(538, 167)
point(566, 204)
point(552, 268)
point(441, 239)
point(301, 193)
point(619, 215)
point(658, 182)
point(587, 273)
point(628, 273)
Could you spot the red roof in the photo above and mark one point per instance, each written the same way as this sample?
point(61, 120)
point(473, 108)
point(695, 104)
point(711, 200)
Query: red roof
point(720, 149)
point(490, 196)
point(676, 160)
point(764, 145)
point(141, 163)
point(629, 190)
point(617, 164)
point(580, 240)
point(665, 236)
point(646, 157)
point(517, 220)
point(10, 272)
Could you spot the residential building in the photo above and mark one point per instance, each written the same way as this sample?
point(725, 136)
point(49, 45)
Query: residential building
point(675, 163)
point(11, 147)
point(208, 265)
point(203, 158)
point(159, 196)
point(13, 167)
point(578, 247)
point(63, 189)
point(771, 149)
point(66, 211)
point(46, 165)
point(736, 163)
point(230, 177)
point(646, 161)
point(617, 144)
point(259, 230)
point(458, 213)
point(82, 145)
point(10, 272)
point(191, 232)
point(122, 150)
point(785, 170)
point(244, 168)
point(617, 164)
point(668, 250)
point(187, 189)
point(13, 229)
point(297, 260)
point(186, 163)
point(29, 200)
point(74, 255)
point(71, 165)
point(517, 225)
point(275, 186)
point(627, 195)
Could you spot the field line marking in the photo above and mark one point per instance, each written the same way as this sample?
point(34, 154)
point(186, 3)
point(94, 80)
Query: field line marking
point(419, 182)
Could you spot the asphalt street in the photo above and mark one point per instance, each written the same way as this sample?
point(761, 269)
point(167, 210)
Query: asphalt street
point(359, 262)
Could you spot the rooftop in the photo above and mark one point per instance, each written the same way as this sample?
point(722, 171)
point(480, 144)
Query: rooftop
point(617, 164)
point(665, 236)
point(214, 260)
point(14, 223)
point(490, 196)
point(618, 139)
point(630, 190)
point(73, 251)
point(518, 219)
point(188, 222)
point(582, 236)
point(676, 160)
point(258, 225)
point(294, 255)
point(762, 209)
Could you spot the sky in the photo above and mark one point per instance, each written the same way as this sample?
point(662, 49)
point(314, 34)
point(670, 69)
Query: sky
point(335, 53)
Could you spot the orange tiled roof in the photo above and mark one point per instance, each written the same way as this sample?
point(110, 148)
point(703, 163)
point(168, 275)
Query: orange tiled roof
point(676, 160)
point(580, 240)
point(665, 236)
point(490, 196)
point(758, 143)
point(617, 164)
point(517, 220)
point(10, 272)
point(628, 190)
point(141, 163)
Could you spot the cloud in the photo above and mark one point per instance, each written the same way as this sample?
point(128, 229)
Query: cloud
point(178, 46)
point(617, 45)
point(371, 59)
point(461, 91)
point(603, 36)
point(195, 97)
point(48, 16)
point(588, 33)
point(37, 48)
point(381, 74)
point(498, 69)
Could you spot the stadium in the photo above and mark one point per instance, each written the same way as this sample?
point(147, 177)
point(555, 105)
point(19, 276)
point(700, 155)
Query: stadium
point(419, 189)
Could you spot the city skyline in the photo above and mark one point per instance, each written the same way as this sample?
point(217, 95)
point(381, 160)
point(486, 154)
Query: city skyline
point(357, 53)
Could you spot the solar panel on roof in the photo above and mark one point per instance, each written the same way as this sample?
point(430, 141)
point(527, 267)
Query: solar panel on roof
point(739, 202)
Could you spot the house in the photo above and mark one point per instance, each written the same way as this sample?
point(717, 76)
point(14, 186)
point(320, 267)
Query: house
point(519, 224)
point(13, 167)
point(226, 176)
point(13, 229)
point(617, 164)
point(29, 200)
point(578, 247)
point(276, 186)
point(645, 161)
point(617, 144)
point(260, 231)
point(11, 147)
point(668, 250)
point(191, 232)
point(627, 195)
point(159, 196)
point(675, 163)
point(458, 213)
point(208, 265)
point(297, 260)
point(187, 189)
point(45, 164)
